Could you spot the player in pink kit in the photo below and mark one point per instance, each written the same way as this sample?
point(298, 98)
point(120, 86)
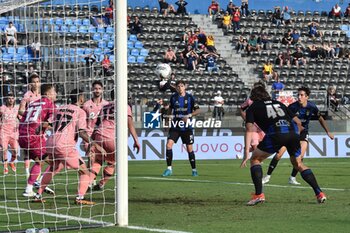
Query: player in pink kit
point(36, 119)
point(61, 146)
point(258, 134)
point(104, 135)
point(93, 107)
point(30, 96)
point(9, 131)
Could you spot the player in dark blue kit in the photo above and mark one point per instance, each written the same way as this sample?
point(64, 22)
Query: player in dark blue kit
point(182, 108)
point(281, 128)
point(304, 109)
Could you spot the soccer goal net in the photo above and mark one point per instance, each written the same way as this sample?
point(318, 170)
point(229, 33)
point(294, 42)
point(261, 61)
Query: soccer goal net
point(69, 44)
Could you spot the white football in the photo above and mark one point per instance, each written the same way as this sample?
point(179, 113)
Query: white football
point(163, 70)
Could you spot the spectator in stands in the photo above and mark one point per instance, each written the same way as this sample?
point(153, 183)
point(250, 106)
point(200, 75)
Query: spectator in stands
point(347, 11)
point(211, 62)
point(36, 48)
point(181, 7)
point(210, 43)
point(226, 21)
point(277, 86)
point(193, 40)
point(244, 7)
point(252, 44)
point(183, 54)
point(136, 26)
point(170, 56)
point(241, 44)
point(90, 59)
point(287, 38)
point(187, 35)
point(236, 18)
point(313, 32)
point(230, 8)
point(165, 8)
point(202, 53)
point(335, 12)
point(328, 50)
point(107, 66)
point(268, 72)
point(218, 112)
point(202, 38)
point(277, 16)
point(337, 51)
point(214, 8)
point(11, 34)
point(284, 58)
point(332, 100)
point(286, 17)
point(263, 39)
point(296, 36)
point(313, 51)
point(298, 57)
point(192, 57)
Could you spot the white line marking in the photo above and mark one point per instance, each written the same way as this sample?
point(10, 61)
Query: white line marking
point(155, 230)
point(88, 220)
point(233, 183)
point(58, 215)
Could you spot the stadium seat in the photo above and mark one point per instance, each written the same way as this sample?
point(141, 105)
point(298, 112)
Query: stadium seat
point(106, 37)
point(83, 29)
point(131, 59)
point(86, 22)
point(11, 50)
point(110, 30)
point(101, 44)
point(96, 36)
point(78, 22)
point(87, 51)
point(130, 44)
point(64, 29)
point(59, 21)
point(110, 44)
point(98, 51)
point(68, 21)
point(101, 30)
point(132, 37)
point(73, 29)
point(138, 45)
point(6, 57)
point(21, 50)
point(144, 52)
point(111, 58)
point(92, 29)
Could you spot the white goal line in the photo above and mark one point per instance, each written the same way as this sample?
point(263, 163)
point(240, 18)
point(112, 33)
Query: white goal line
point(88, 220)
point(232, 183)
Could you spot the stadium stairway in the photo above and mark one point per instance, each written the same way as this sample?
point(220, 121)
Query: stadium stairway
point(226, 49)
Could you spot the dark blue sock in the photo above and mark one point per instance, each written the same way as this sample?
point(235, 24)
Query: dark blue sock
point(309, 177)
point(169, 157)
point(257, 174)
point(192, 159)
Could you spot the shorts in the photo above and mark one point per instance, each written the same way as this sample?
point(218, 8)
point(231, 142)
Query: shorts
point(304, 136)
point(273, 143)
point(70, 159)
point(11, 38)
point(34, 144)
point(5, 141)
point(109, 145)
point(186, 136)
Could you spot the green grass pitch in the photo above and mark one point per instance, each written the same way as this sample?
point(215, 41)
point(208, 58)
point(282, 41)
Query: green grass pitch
point(213, 202)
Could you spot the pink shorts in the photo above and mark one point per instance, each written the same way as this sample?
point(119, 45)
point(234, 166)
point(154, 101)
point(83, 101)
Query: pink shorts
point(6, 141)
point(109, 145)
point(70, 159)
point(34, 144)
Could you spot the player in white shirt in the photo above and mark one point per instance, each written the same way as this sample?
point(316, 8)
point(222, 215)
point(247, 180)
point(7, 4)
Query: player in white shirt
point(11, 34)
point(218, 106)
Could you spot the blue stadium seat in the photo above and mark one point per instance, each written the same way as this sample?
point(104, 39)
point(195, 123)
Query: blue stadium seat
point(73, 29)
point(344, 27)
point(97, 51)
point(130, 44)
point(6, 57)
point(17, 57)
point(101, 29)
point(88, 51)
point(11, 50)
point(68, 21)
point(26, 58)
point(46, 28)
point(131, 59)
point(92, 29)
point(21, 50)
point(64, 28)
point(140, 59)
point(138, 45)
point(144, 52)
point(134, 52)
point(110, 44)
point(3, 20)
point(59, 21)
point(96, 36)
point(102, 44)
point(86, 22)
point(133, 37)
point(78, 22)
point(80, 51)
point(56, 28)
point(100, 58)
point(110, 30)
point(83, 29)
point(106, 37)
point(111, 58)
point(107, 51)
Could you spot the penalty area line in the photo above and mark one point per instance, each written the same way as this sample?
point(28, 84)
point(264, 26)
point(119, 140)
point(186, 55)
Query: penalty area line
point(155, 230)
point(232, 183)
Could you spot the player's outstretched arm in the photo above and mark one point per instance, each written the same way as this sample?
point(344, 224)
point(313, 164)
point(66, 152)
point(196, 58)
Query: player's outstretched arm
point(325, 127)
point(134, 134)
point(247, 140)
point(83, 134)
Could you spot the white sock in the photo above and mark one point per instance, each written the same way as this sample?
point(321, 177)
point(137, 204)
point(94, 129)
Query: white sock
point(194, 170)
point(29, 188)
point(80, 197)
point(170, 168)
point(27, 170)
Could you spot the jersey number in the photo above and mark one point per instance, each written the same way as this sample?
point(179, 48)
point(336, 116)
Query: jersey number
point(62, 122)
point(33, 113)
point(274, 110)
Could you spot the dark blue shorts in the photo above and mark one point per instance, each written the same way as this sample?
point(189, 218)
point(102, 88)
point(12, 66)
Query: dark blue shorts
point(273, 143)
